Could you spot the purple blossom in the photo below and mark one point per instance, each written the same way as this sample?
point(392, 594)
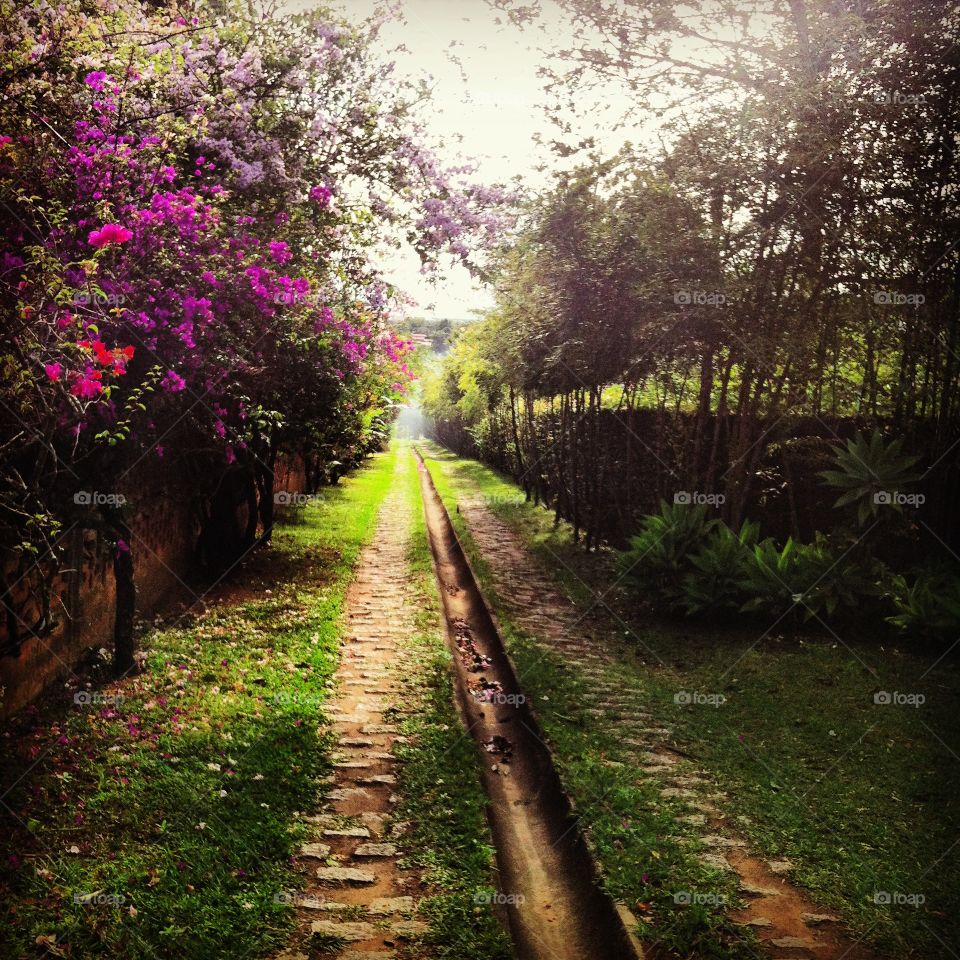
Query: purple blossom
point(95, 80)
point(173, 382)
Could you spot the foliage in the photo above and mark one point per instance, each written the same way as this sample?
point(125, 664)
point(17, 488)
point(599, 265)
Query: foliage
point(870, 473)
point(785, 251)
point(194, 196)
point(713, 587)
point(659, 556)
point(929, 606)
point(803, 577)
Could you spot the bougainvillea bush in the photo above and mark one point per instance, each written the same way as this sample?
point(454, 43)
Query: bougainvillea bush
point(194, 200)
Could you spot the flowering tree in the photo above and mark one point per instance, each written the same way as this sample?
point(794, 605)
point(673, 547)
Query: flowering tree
point(193, 206)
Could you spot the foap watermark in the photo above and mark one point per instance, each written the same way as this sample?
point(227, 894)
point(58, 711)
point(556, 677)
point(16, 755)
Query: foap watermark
point(698, 499)
point(698, 699)
point(100, 899)
point(292, 298)
point(98, 299)
point(900, 98)
point(699, 298)
point(498, 899)
point(293, 898)
point(502, 500)
point(894, 698)
point(691, 897)
point(894, 898)
point(290, 498)
point(504, 699)
point(96, 498)
point(91, 698)
point(892, 298)
point(894, 498)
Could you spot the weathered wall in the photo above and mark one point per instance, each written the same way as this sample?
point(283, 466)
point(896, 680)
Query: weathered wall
point(164, 533)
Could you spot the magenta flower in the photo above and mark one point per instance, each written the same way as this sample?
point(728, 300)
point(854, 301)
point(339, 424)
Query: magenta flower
point(280, 251)
point(107, 234)
point(173, 382)
point(321, 195)
point(53, 370)
point(87, 385)
point(95, 80)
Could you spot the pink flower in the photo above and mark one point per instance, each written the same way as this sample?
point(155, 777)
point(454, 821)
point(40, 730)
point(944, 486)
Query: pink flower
point(87, 385)
point(321, 195)
point(280, 251)
point(173, 382)
point(95, 80)
point(53, 370)
point(107, 234)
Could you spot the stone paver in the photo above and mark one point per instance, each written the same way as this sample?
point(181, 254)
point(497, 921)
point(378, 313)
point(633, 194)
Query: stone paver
point(360, 874)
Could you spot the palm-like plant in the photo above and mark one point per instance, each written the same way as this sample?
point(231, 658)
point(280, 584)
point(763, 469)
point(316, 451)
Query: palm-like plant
point(868, 472)
point(714, 585)
point(928, 607)
point(808, 577)
point(658, 556)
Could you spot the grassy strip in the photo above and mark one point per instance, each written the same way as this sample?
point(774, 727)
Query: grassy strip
point(158, 819)
point(440, 791)
point(862, 797)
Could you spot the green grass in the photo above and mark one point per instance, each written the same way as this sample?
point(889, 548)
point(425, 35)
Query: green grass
point(862, 797)
point(176, 804)
point(440, 790)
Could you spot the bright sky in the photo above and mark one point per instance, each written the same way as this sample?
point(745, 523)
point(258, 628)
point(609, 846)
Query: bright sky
point(486, 94)
point(487, 108)
point(484, 109)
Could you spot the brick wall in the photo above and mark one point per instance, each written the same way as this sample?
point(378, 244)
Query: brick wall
point(164, 531)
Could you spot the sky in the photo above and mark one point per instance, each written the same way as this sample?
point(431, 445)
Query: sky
point(485, 108)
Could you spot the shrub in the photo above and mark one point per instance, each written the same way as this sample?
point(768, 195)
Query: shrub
point(868, 472)
point(659, 556)
point(807, 577)
point(929, 607)
point(713, 586)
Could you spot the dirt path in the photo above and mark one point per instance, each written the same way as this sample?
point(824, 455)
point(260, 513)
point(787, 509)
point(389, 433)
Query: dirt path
point(356, 890)
point(786, 921)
